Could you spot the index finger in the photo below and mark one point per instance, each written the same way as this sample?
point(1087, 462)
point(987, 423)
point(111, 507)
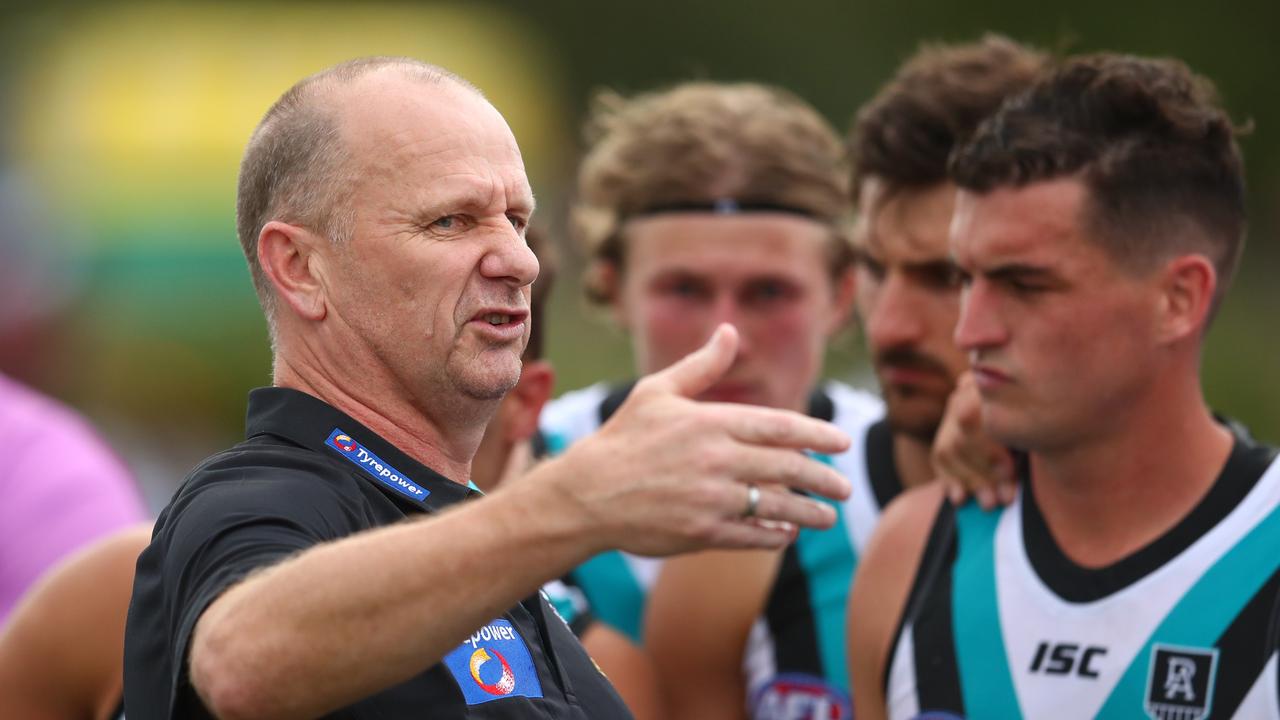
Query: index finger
point(781, 428)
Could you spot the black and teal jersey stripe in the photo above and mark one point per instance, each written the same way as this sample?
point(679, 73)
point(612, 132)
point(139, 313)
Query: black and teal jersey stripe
point(796, 659)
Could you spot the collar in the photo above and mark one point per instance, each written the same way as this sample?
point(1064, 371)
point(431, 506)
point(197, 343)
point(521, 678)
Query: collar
point(310, 422)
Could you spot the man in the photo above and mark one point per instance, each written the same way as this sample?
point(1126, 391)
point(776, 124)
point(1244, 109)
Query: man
point(768, 628)
point(1100, 219)
point(702, 204)
point(382, 205)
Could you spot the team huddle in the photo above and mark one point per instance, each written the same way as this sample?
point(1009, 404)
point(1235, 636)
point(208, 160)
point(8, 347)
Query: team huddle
point(1037, 515)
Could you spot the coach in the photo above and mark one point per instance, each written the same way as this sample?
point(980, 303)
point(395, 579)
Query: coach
point(310, 569)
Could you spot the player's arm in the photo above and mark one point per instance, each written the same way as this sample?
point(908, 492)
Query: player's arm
point(699, 617)
point(346, 619)
point(880, 589)
point(60, 650)
point(628, 667)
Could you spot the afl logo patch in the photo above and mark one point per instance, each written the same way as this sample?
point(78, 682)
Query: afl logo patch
point(1180, 682)
point(796, 696)
point(494, 663)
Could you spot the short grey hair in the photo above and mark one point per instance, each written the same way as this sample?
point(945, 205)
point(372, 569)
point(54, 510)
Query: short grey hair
point(295, 168)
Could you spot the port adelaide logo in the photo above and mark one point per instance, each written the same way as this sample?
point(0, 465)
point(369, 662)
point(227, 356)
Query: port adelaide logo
point(1180, 682)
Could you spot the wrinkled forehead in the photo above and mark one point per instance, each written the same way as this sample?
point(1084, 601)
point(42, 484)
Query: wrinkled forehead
point(388, 118)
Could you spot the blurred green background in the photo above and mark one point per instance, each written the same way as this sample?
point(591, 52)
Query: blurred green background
point(122, 287)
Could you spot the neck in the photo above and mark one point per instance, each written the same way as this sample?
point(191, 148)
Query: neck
point(447, 449)
point(1107, 498)
point(911, 458)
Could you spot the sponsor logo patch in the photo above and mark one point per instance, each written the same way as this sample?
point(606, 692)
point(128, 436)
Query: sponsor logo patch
point(796, 696)
point(1180, 682)
point(494, 663)
point(375, 466)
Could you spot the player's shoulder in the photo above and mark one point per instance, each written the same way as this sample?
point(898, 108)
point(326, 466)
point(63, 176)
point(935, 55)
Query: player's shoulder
point(573, 415)
point(909, 519)
point(267, 477)
point(574, 404)
point(263, 460)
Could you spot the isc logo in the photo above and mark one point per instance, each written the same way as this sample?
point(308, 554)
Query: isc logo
point(1067, 658)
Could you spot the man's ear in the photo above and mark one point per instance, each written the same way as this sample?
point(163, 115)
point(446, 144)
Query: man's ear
point(526, 399)
point(1187, 284)
point(290, 259)
point(605, 282)
point(846, 286)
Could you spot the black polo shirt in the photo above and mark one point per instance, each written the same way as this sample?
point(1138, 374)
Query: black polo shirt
point(306, 474)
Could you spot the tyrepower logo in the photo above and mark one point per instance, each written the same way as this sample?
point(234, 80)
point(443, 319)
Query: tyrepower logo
point(494, 663)
point(375, 466)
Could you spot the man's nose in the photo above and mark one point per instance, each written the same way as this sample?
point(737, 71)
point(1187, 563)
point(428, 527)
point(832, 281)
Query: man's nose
point(979, 325)
point(895, 319)
point(509, 258)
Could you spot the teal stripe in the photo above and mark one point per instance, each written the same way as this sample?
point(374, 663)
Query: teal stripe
point(564, 608)
point(828, 559)
point(985, 681)
point(556, 443)
point(614, 593)
point(1205, 612)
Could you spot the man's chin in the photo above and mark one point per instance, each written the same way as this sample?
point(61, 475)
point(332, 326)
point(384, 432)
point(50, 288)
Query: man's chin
point(487, 390)
point(491, 384)
point(915, 417)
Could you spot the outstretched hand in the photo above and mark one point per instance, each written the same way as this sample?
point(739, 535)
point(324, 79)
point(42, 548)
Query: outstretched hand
point(667, 474)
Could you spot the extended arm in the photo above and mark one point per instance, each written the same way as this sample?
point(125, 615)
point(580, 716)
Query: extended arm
point(348, 618)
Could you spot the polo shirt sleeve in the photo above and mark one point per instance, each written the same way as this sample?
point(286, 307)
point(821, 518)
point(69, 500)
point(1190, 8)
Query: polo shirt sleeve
point(236, 517)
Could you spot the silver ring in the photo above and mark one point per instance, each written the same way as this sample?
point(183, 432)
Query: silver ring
point(753, 501)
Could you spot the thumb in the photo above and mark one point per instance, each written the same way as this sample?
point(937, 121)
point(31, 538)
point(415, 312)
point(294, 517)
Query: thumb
point(700, 369)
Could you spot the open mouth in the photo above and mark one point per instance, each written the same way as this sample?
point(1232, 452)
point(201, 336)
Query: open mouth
point(501, 319)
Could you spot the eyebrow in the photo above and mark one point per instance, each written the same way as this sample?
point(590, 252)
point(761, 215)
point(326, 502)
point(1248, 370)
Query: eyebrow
point(864, 254)
point(1021, 271)
point(1016, 269)
point(472, 199)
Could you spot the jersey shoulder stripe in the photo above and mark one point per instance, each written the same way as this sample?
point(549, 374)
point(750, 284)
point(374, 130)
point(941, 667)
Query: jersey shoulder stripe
point(571, 417)
point(1178, 629)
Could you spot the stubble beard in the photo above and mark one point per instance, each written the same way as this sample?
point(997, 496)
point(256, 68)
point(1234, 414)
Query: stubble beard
point(483, 378)
point(908, 416)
